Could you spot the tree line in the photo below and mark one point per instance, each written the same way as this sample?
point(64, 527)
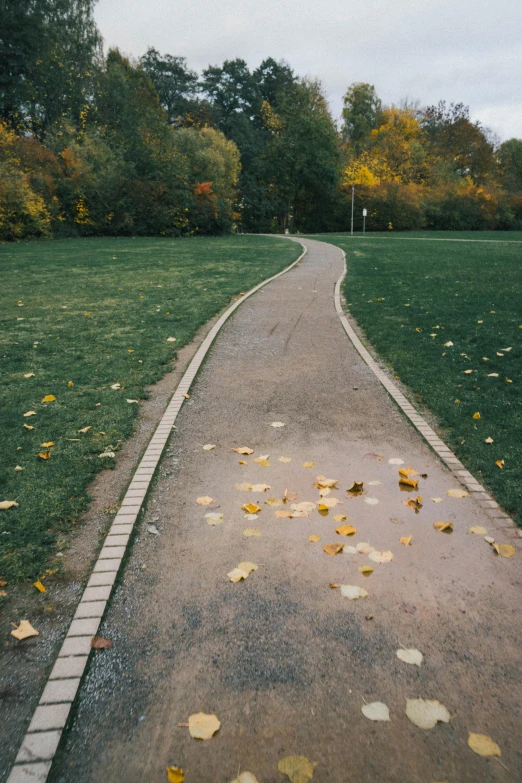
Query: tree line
point(101, 144)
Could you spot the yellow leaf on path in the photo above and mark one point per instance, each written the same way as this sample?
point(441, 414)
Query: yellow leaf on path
point(366, 570)
point(242, 462)
point(209, 446)
point(324, 492)
point(339, 518)
point(408, 472)
point(277, 424)
point(251, 508)
point(476, 415)
point(263, 462)
point(499, 463)
point(245, 777)
point(39, 586)
point(332, 549)
point(24, 631)
point(443, 527)
point(313, 539)
point(47, 445)
point(86, 429)
point(478, 530)
point(325, 483)
point(437, 500)
point(283, 514)
point(202, 726)
point(214, 518)
point(489, 440)
point(308, 465)
point(288, 497)
point(376, 710)
point(413, 656)
point(274, 502)
point(298, 768)
point(175, 775)
point(251, 531)
point(186, 396)
point(243, 450)
point(396, 461)
point(44, 454)
point(298, 514)
point(364, 548)
point(346, 530)
point(406, 540)
point(48, 398)
point(305, 505)
point(426, 713)
point(504, 550)
point(381, 557)
point(329, 503)
point(483, 745)
point(457, 493)
point(356, 488)
point(205, 500)
point(353, 592)
point(285, 459)
point(5, 504)
point(30, 413)
point(260, 487)
point(247, 566)
point(409, 482)
point(244, 487)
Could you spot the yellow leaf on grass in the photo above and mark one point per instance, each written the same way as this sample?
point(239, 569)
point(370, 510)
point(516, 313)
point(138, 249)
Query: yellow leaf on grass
point(339, 518)
point(44, 454)
point(313, 539)
point(49, 398)
point(366, 570)
point(476, 415)
point(28, 427)
point(202, 726)
point(283, 514)
point(285, 459)
point(408, 472)
point(5, 504)
point(205, 500)
point(30, 413)
point(346, 530)
point(24, 631)
point(243, 487)
point(39, 586)
point(275, 502)
point(243, 450)
point(298, 768)
point(47, 445)
point(251, 508)
point(457, 493)
point(86, 429)
point(325, 483)
point(478, 530)
point(308, 465)
point(29, 375)
point(468, 372)
point(406, 540)
point(443, 527)
point(332, 549)
point(489, 440)
point(356, 488)
point(70, 384)
point(251, 531)
point(175, 775)
point(483, 745)
point(499, 463)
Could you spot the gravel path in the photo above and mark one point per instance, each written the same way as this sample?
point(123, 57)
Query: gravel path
point(285, 662)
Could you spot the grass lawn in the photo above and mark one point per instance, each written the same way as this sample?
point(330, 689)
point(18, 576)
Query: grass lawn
point(412, 297)
point(80, 316)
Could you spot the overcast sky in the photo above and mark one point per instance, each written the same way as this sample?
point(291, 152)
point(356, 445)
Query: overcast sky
point(466, 51)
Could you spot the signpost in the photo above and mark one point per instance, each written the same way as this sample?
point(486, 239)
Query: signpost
point(365, 212)
point(353, 193)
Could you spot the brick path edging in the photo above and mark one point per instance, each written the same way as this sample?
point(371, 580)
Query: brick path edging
point(499, 518)
point(39, 746)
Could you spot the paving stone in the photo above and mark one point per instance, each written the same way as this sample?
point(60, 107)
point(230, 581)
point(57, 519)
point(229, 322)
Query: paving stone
point(87, 626)
point(108, 552)
point(75, 645)
point(73, 666)
point(116, 539)
point(50, 716)
point(39, 747)
point(96, 594)
point(120, 528)
point(60, 690)
point(91, 608)
point(102, 578)
point(30, 773)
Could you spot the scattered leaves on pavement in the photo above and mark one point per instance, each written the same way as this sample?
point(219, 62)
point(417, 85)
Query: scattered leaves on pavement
point(207, 447)
point(313, 539)
point(285, 459)
point(260, 487)
point(202, 726)
point(325, 483)
point(339, 518)
point(346, 530)
point(406, 540)
point(251, 508)
point(332, 549)
point(308, 465)
point(242, 571)
point(277, 424)
point(395, 461)
point(371, 501)
point(356, 489)
point(245, 777)
point(282, 514)
point(414, 503)
point(381, 557)
point(366, 570)
point(251, 531)
point(243, 487)
point(478, 530)
point(274, 502)
point(409, 482)
point(483, 745)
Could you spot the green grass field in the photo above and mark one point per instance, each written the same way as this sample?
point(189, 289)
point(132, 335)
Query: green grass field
point(411, 297)
point(81, 315)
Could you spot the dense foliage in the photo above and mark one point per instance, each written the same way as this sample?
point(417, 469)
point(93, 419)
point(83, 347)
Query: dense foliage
point(94, 144)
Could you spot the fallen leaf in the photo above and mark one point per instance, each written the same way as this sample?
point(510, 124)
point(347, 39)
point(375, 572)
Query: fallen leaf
point(468, 372)
point(153, 530)
point(277, 424)
point(283, 514)
point(243, 487)
point(30, 413)
point(186, 396)
point(448, 344)
point(339, 518)
point(86, 429)
point(325, 483)
point(285, 459)
point(251, 531)
point(443, 527)
point(214, 518)
point(116, 386)
point(376, 710)
point(28, 427)
point(364, 548)
point(100, 643)
point(381, 557)
point(437, 500)
point(44, 454)
point(353, 592)
point(332, 549)
point(406, 540)
point(24, 631)
point(288, 497)
point(308, 465)
point(209, 447)
point(243, 450)
point(366, 570)
point(371, 501)
point(203, 726)
point(175, 775)
point(171, 339)
point(478, 530)
point(457, 493)
point(205, 500)
point(334, 586)
point(3, 593)
point(489, 440)
point(408, 472)
point(356, 488)
point(504, 550)
point(109, 454)
point(413, 656)
point(373, 483)
point(492, 374)
point(47, 445)
point(18, 467)
point(251, 508)
point(346, 530)
point(245, 777)
point(242, 462)
point(274, 502)
point(499, 463)
point(298, 768)
point(409, 482)
point(314, 539)
point(263, 462)
point(425, 713)
point(5, 504)
point(395, 461)
point(483, 745)
point(131, 401)
point(328, 503)
point(39, 586)
point(49, 398)
point(260, 487)
point(29, 375)
point(305, 505)
point(324, 492)
point(349, 550)
point(476, 415)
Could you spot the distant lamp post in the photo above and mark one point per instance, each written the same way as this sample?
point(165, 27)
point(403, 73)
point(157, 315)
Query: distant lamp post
point(365, 212)
point(353, 196)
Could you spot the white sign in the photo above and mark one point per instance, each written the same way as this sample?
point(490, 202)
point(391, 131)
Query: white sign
point(365, 212)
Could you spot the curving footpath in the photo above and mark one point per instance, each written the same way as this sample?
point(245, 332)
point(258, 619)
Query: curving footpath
point(285, 662)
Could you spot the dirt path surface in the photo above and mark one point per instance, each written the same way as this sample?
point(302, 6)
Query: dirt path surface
point(285, 662)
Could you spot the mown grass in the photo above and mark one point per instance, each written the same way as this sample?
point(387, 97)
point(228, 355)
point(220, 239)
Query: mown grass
point(469, 293)
point(83, 315)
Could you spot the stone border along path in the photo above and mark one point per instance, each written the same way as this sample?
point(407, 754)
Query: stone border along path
point(34, 759)
point(39, 746)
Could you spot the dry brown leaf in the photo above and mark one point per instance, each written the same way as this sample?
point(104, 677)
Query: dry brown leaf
point(49, 398)
point(346, 530)
point(39, 586)
point(483, 745)
point(478, 530)
point(205, 500)
point(251, 508)
point(175, 775)
point(314, 539)
point(202, 726)
point(325, 483)
point(5, 504)
point(308, 465)
point(366, 570)
point(332, 549)
point(285, 459)
point(457, 493)
point(86, 429)
point(408, 472)
point(406, 540)
point(274, 502)
point(24, 631)
point(426, 713)
point(298, 768)
point(408, 482)
point(443, 527)
point(282, 514)
point(356, 488)
point(100, 643)
point(499, 463)
point(334, 586)
point(339, 518)
point(244, 487)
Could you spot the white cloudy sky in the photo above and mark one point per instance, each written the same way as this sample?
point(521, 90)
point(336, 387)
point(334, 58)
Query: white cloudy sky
point(459, 50)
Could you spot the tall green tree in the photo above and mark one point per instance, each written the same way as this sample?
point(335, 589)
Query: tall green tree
point(175, 83)
point(361, 114)
point(510, 159)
